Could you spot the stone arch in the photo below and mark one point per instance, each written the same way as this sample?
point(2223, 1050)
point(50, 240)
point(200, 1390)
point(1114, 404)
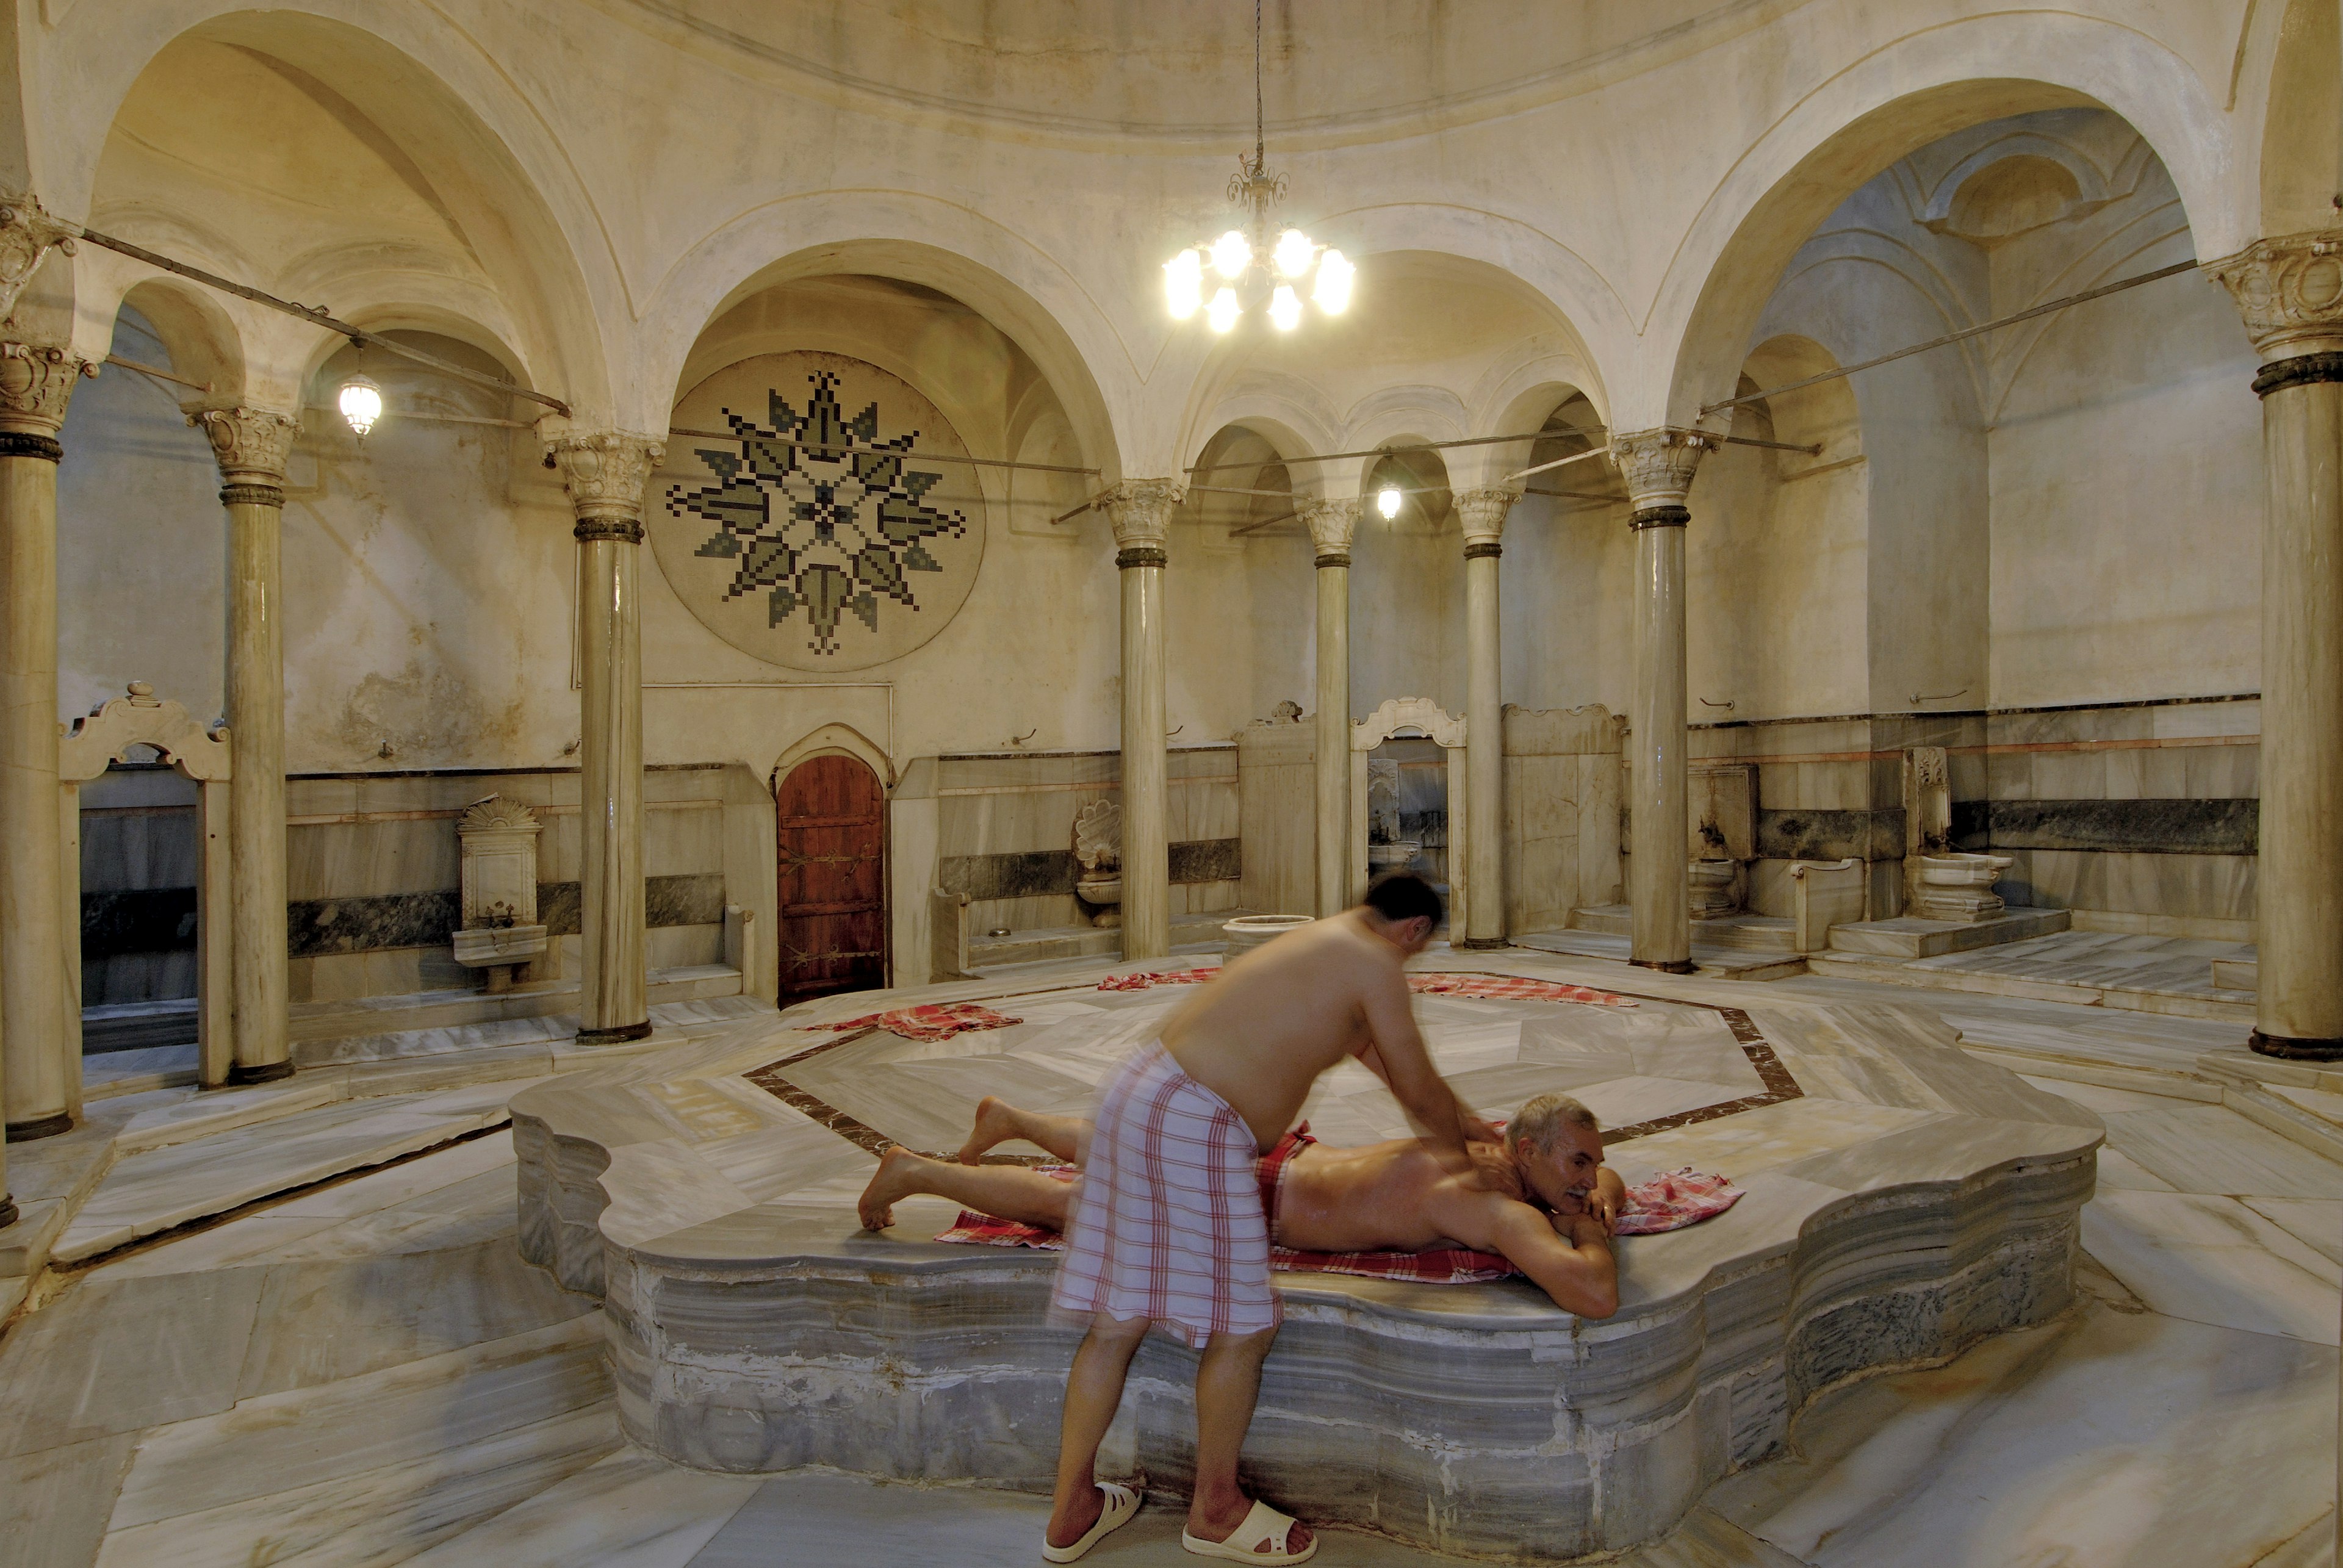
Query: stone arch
point(1880, 111)
point(437, 102)
point(1008, 280)
point(836, 740)
point(2302, 123)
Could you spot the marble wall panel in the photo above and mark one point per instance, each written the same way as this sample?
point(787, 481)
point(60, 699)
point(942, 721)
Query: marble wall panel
point(679, 839)
point(2205, 887)
point(675, 947)
point(1277, 818)
point(1542, 846)
point(1602, 802)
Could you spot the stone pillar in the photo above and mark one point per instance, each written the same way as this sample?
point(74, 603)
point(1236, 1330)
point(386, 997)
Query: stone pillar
point(606, 473)
point(1658, 467)
point(41, 1085)
point(1140, 513)
point(1482, 513)
point(1331, 525)
point(251, 446)
point(2290, 292)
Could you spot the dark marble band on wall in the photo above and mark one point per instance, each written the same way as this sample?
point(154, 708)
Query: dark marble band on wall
point(319, 927)
point(2126, 827)
point(1035, 873)
point(2150, 827)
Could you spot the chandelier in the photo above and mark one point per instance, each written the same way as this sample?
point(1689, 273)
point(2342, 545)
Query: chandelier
point(1250, 266)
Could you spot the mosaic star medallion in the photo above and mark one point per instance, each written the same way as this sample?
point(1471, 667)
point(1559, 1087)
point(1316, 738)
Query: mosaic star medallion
point(817, 559)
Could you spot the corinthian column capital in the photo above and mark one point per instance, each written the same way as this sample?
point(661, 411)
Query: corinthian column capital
point(28, 234)
point(1658, 465)
point(1482, 513)
point(35, 383)
point(2290, 292)
point(606, 473)
point(251, 447)
point(1140, 511)
point(1331, 525)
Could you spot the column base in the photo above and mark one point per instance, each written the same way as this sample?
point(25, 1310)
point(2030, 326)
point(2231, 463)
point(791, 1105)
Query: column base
point(40, 1127)
point(2289, 1048)
point(619, 1034)
point(240, 1074)
point(1478, 944)
point(7, 1212)
point(1666, 965)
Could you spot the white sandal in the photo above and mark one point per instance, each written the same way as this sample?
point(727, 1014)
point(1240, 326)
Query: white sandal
point(1122, 1502)
point(1264, 1524)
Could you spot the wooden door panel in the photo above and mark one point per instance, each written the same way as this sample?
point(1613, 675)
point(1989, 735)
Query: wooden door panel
point(832, 875)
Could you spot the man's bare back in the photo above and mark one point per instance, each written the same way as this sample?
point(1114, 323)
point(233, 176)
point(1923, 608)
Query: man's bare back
point(1260, 1035)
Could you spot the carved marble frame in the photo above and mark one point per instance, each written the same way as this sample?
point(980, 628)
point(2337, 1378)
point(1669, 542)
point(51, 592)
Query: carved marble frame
point(106, 735)
point(1415, 716)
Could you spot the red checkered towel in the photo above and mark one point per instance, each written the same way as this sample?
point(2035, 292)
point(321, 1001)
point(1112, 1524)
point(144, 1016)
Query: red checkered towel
point(1139, 980)
point(1672, 1201)
point(1513, 988)
point(931, 1021)
point(1169, 1224)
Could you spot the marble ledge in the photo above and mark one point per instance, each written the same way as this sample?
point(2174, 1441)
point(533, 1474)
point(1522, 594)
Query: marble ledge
point(1911, 1202)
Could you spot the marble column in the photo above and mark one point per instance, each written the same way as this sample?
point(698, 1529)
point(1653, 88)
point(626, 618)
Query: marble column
point(1140, 513)
point(1482, 513)
point(606, 473)
point(251, 446)
point(2290, 291)
point(1332, 526)
point(1657, 465)
point(40, 1084)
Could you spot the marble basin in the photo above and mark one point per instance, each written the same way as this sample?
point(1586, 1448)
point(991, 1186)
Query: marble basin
point(1247, 932)
point(1713, 886)
point(1962, 871)
point(1903, 1199)
point(1959, 887)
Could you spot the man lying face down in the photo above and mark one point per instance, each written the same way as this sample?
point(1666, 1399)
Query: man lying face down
point(1547, 1201)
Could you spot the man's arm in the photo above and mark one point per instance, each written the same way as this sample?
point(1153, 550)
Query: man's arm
point(1569, 1257)
point(1421, 1092)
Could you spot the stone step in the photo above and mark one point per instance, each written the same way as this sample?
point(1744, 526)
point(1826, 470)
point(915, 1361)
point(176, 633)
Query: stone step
point(1903, 973)
point(2237, 974)
point(159, 1188)
point(1087, 941)
point(1752, 932)
point(1907, 938)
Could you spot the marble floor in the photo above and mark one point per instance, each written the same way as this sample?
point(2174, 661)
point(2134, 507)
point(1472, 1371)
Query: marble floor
point(363, 1372)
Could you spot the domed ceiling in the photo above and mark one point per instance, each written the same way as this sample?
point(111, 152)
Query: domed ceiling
point(1184, 67)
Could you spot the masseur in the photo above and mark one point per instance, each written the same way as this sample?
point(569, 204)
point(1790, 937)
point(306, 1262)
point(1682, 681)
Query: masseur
point(1168, 1227)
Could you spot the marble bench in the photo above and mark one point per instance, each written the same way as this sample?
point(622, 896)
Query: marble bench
point(1903, 1199)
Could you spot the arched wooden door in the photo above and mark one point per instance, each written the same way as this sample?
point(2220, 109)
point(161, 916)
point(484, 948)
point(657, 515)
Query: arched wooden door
point(833, 877)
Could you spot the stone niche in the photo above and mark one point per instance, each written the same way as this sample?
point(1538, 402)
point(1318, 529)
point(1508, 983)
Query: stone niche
point(1722, 801)
point(501, 930)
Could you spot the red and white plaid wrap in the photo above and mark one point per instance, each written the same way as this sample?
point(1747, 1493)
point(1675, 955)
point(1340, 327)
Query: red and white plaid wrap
point(931, 1020)
point(1513, 988)
point(1169, 1224)
point(1674, 1200)
point(1141, 980)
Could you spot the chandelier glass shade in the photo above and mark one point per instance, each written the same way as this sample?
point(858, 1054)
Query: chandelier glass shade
point(361, 403)
point(1254, 265)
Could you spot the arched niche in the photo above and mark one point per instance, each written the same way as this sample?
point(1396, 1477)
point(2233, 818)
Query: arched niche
point(141, 721)
point(1414, 715)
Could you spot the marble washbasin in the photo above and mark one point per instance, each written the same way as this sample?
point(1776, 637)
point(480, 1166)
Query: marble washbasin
point(1903, 1199)
point(1959, 887)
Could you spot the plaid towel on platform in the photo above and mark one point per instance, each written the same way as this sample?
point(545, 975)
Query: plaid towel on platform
point(1139, 980)
point(932, 1021)
point(1512, 987)
point(1674, 1201)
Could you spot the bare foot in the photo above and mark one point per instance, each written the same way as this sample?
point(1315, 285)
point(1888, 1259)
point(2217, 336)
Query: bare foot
point(898, 1176)
point(1212, 1527)
point(994, 1124)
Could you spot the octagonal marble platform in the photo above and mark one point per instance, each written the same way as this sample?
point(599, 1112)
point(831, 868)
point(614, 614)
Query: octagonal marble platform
point(1903, 1199)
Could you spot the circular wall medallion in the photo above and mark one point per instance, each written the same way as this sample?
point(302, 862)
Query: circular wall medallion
point(813, 558)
